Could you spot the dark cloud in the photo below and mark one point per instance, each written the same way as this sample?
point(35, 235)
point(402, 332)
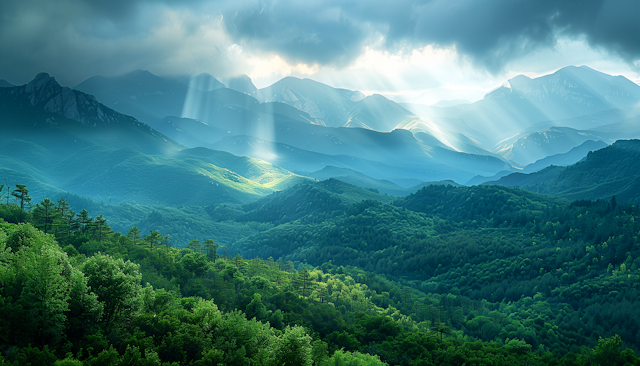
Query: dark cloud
point(491, 33)
point(81, 38)
point(310, 32)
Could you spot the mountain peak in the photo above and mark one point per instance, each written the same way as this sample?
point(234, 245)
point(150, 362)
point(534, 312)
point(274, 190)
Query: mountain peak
point(44, 92)
point(40, 81)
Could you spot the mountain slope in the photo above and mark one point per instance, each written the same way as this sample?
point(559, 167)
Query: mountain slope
point(614, 170)
point(569, 158)
point(522, 102)
point(556, 140)
point(70, 141)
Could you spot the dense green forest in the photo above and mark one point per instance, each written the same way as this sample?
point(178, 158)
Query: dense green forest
point(446, 276)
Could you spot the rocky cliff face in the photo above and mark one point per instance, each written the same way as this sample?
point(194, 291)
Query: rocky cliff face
point(44, 92)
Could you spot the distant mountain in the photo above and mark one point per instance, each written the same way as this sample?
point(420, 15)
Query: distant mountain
point(614, 170)
point(63, 140)
point(590, 121)
point(5, 84)
point(538, 145)
point(569, 158)
point(420, 156)
point(320, 101)
point(399, 149)
point(338, 107)
point(521, 102)
point(564, 159)
point(479, 179)
point(360, 180)
point(150, 98)
point(243, 84)
point(190, 132)
point(140, 94)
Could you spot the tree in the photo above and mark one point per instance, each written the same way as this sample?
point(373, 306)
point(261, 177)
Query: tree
point(134, 234)
point(211, 248)
point(117, 285)
point(44, 272)
point(442, 329)
point(304, 281)
point(195, 246)
point(84, 221)
point(21, 193)
point(44, 215)
point(294, 348)
point(256, 308)
point(153, 239)
point(101, 226)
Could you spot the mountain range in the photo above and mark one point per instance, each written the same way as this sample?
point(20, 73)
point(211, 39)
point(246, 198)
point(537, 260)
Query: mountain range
point(241, 142)
point(62, 140)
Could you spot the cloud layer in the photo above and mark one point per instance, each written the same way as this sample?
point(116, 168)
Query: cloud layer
point(75, 39)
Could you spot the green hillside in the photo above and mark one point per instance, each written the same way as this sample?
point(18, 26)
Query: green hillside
point(90, 296)
point(612, 171)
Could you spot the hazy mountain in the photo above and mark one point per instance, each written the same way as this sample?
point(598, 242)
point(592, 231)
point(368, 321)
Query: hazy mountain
point(627, 128)
point(538, 145)
point(338, 107)
point(564, 159)
point(140, 94)
point(479, 179)
point(320, 101)
point(614, 170)
point(377, 113)
point(421, 156)
point(571, 157)
point(5, 84)
point(190, 132)
point(521, 102)
point(589, 121)
point(150, 98)
point(360, 180)
point(243, 84)
point(64, 140)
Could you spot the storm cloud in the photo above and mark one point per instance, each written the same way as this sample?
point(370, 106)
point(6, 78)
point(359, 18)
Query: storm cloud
point(75, 39)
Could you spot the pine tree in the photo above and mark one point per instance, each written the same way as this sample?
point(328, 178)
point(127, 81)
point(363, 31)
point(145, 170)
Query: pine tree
point(211, 249)
point(134, 234)
point(21, 193)
point(84, 221)
point(101, 226)
point(44, 215)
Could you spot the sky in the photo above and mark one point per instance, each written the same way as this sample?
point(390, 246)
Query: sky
point(407, 50)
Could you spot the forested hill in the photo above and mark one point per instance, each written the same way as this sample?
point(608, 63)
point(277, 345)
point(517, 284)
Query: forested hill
point(488, 243)
point(76, 293)
point(614, 170)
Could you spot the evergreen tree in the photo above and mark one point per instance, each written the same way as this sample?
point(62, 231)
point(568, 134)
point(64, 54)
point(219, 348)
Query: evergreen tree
point(21, 193)
point(134, 234)
point(101, 226)
point(195, 246)
point(44, 215)
point(211, 249)
point(84, 221)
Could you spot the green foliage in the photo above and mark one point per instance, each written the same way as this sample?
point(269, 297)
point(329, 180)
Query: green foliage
point(554, 277)
point(116, 283)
